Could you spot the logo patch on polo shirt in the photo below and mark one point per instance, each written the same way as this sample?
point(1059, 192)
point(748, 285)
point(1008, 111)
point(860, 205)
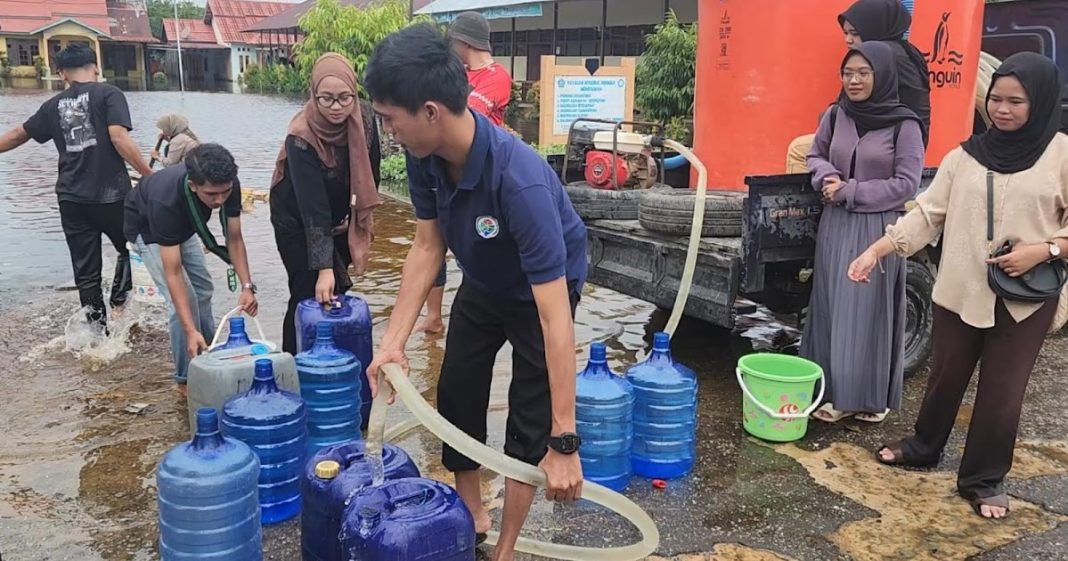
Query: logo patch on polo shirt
point(487, 227)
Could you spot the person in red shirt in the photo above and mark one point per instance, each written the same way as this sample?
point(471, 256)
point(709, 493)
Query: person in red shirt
point(491, 90)
point(491, 85)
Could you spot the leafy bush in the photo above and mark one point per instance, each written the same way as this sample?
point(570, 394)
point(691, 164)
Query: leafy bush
point(274, 78)
point(330, 27)
point(39, 66)
point(394, 169)
point(333, 28)
point(666, 72)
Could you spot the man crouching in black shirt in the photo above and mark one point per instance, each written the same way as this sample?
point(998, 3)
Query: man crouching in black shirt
point(167, 219)
point(89, 124)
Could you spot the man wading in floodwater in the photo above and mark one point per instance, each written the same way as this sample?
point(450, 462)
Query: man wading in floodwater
point(167, 219)
point(499, 207)
point(89, 124)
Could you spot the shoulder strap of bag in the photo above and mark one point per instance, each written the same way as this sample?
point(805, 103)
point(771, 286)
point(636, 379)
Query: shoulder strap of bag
point(201, 227)
point(990, 208)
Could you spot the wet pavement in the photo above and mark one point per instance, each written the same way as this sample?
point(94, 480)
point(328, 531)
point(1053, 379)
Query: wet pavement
point(77, 463)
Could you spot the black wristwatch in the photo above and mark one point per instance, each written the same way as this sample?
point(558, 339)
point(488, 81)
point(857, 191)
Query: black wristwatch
point(566, 443)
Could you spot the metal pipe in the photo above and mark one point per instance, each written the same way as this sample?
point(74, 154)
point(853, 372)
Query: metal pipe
point(178, 37)
point(604, 26)
point(556, 23)
point(512, 71)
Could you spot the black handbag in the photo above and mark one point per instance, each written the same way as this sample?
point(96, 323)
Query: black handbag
point(1038, 285)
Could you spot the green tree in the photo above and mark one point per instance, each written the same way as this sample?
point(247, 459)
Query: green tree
point(665, 73)
point(330, 27)
point(160, 9)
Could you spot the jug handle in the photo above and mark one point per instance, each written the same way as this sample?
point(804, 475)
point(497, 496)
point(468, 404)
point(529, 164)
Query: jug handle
point(225, 319)
point(411, 499)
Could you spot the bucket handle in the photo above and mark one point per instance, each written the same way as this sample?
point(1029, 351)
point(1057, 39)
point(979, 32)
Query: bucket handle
point(767, 410)
point(226, 318)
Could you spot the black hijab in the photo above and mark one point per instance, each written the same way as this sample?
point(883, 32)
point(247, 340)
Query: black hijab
point(884, 20)
point(1011, 152)
point(883, 109)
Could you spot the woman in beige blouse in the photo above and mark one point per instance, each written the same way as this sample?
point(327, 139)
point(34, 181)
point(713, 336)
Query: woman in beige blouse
point(1029, 162)
point(174, 128)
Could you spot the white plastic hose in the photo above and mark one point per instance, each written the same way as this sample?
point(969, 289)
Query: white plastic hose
point(513, 469)
point(695, 235)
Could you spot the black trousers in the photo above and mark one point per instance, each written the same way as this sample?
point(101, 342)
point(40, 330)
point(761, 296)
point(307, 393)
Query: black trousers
point(293, 249)
point(478, 327)
point(1008, 352)
point(82, 226)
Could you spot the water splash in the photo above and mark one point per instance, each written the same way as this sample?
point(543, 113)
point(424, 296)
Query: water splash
point(90, 344)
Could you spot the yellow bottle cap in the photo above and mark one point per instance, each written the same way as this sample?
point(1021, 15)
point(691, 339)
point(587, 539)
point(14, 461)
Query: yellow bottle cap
point(327, 469)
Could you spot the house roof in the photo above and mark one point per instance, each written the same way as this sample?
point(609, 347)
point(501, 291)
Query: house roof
point(129, 21)
point(22, 17)
point(194, 31)
point(290, 18)
point(230, 18)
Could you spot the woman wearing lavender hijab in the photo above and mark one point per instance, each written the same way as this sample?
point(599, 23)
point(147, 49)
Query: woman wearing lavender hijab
point(867, 160)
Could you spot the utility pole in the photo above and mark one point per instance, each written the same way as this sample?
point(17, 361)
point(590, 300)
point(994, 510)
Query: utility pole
point(178, 36)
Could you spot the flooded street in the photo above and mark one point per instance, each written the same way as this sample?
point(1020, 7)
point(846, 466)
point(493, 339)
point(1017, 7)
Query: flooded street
point(77, 457)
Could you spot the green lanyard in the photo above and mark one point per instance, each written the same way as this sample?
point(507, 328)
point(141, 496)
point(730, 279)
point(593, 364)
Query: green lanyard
point(205, 234)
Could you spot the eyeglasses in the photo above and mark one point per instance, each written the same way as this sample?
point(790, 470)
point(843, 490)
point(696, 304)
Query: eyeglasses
point(343, 100)
point(862, 76)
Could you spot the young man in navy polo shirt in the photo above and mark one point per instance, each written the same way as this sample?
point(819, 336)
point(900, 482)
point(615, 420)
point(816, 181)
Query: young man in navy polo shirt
point(482, 193)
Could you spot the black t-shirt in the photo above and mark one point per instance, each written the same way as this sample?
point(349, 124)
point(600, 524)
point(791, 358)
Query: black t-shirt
point(77, 120)
point(157, 210)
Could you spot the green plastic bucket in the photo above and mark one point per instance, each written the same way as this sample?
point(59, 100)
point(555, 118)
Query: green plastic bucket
point(777, 395)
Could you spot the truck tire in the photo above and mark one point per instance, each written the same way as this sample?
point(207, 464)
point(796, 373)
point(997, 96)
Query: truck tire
point(603, 204)
point(670, 211)
point(919, 316)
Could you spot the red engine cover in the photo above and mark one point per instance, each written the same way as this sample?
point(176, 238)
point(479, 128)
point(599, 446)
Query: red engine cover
point(599, 170)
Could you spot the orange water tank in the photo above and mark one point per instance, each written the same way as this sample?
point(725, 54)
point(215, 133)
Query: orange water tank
point(767, 68)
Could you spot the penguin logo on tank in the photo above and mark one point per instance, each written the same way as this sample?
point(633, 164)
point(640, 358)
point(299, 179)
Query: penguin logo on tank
point(943, 60)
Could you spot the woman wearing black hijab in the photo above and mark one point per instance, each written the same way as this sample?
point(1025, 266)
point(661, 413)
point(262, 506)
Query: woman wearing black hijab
point(888, 21)
point(1027, 161)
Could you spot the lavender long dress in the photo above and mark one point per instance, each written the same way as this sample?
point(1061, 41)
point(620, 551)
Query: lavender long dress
point(856, 331)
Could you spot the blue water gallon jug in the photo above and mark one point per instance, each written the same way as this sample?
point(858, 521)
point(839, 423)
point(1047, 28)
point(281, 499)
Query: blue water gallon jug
point(604, 407)
point(665, 414)
point(274, 424)
point(408, 519)
point(331, 478)
point(330, 381)
point(208, 503)
point(238, 337)
point(352, 331)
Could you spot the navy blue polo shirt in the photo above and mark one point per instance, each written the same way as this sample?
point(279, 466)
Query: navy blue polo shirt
point(509, 221)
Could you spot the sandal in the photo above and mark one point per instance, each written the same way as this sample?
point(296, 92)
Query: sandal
point(872, 417)
point(1001, 501)
point(828, 414)
point(903, 458)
